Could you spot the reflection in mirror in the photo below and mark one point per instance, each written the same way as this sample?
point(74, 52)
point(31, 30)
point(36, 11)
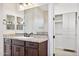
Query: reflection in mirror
point(19, 23)
point(36, 19)
point(10, 22)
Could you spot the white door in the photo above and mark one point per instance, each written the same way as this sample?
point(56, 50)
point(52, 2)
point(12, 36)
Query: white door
point(65, 32)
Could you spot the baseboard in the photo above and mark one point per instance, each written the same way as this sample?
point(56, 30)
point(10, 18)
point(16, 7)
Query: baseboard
point(68, 50)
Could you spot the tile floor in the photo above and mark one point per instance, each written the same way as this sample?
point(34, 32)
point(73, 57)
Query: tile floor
point(60, 52)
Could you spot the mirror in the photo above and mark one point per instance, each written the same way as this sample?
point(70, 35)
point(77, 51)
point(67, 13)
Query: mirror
point(36, 19)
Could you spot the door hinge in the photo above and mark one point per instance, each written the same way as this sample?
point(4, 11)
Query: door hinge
point(53, 18)
point(53, 54)
point(54, 36)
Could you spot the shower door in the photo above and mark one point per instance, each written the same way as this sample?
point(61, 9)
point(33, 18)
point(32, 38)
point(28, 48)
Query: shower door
point(65, 34)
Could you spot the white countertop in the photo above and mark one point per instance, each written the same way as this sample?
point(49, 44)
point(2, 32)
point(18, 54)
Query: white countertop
point(32, 39)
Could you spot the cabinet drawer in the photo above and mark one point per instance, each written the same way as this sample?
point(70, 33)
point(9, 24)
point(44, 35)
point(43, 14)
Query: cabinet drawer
point(7, 41)
point(32, 44)
point(18, 42)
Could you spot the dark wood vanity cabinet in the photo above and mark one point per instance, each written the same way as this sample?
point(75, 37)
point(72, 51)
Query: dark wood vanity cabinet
point(32, 48)
point(17, 50)
point(31, 52)
point(7, 47)
point(36, 49)
point(14, 47)
point(7, 50)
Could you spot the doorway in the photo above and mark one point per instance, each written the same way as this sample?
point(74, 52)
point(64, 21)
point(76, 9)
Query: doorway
point(65, 34)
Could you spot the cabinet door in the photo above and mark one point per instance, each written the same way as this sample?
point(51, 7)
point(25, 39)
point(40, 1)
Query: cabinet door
point(17, 50)
point(7, 50)
point(26, 51)
point(32, 52)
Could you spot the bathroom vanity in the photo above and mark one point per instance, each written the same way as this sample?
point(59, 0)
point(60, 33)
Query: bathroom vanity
point(25, 46)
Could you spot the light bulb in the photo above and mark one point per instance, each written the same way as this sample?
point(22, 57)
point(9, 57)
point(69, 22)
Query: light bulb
point(21, 6)
point(29, 4)
point(25, 4)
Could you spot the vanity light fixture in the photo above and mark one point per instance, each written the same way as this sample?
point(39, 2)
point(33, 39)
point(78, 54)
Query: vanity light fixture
point(20, 5)
point(27, 4)
point(24, 4)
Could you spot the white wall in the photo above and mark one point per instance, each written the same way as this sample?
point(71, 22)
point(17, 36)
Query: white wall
point(62, 8)
point(50, 29)
point(77, 30)
point(1, 30)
